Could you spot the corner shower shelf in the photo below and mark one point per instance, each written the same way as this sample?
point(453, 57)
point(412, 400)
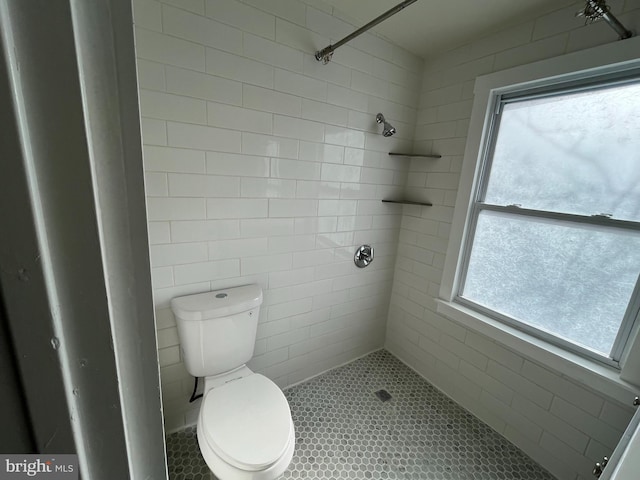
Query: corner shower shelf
point(409, 202)
point(414, 155)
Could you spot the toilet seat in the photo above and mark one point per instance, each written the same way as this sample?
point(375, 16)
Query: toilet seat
point(247, 422)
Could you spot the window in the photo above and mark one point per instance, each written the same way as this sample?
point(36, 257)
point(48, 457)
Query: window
point(553, 238)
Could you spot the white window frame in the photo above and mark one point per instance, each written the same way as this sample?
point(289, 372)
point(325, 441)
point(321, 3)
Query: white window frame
point(613, 58)
point(523, 94)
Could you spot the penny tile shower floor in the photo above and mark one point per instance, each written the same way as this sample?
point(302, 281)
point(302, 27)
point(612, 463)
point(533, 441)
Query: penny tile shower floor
point(344, 431)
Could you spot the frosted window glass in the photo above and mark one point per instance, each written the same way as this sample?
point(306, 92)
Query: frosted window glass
point(575, 153)
point(568, 279)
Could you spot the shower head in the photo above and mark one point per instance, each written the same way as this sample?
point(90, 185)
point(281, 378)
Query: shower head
point(388, 129)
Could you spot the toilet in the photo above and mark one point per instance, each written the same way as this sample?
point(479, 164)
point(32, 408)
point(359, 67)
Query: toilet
point(244, 429)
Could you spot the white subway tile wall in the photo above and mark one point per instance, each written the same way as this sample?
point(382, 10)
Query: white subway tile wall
point(263, 165)
point(563, 425)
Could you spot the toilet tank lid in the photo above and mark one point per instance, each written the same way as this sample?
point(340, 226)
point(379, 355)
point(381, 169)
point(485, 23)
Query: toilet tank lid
point(218, 303)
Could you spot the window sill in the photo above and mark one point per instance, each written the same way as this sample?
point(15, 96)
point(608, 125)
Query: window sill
point(596, 376)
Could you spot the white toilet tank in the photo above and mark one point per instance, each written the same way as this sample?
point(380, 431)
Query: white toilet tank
point(217, 329)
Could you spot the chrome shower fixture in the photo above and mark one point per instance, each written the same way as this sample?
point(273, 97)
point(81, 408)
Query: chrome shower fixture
point(326, 53)
point(388, 129)
point(597, 9)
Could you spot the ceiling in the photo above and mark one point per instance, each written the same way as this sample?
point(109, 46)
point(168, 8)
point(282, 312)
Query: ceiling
point(429, 27)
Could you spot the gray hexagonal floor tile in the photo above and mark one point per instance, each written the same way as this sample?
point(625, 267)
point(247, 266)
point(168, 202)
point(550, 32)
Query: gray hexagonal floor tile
point(344, 431)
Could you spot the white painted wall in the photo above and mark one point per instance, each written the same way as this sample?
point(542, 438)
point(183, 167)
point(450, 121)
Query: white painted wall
point(558, 421)
point(263, 165)
point(79, 312)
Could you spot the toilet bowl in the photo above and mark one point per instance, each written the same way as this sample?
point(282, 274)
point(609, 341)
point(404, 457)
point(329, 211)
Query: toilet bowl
point(244, 427)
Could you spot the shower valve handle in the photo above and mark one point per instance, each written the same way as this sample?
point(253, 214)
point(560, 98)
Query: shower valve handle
point(364, 256)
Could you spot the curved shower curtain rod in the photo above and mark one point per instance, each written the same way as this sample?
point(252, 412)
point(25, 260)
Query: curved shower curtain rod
point(597, 9)
point(593, 10)
point(325, 54)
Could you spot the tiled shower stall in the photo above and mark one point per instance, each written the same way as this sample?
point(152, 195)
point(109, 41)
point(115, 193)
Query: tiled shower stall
point(266, 166)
